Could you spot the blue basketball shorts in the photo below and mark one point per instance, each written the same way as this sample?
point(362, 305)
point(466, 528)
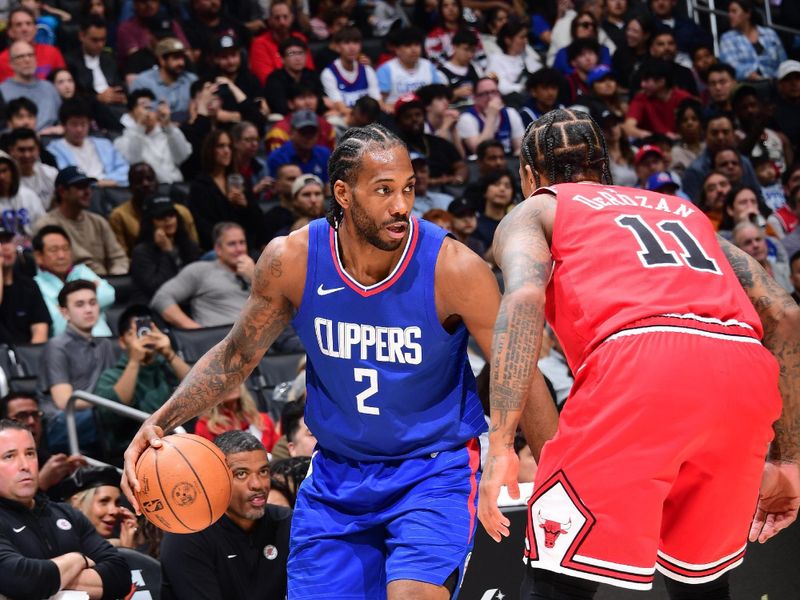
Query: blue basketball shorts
point(359, 525)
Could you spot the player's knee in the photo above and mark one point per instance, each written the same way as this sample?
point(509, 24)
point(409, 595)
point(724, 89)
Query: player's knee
point(540, 584)
point(718, 589)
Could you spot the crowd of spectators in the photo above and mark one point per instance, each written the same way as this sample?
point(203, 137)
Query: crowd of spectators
point(150, 150)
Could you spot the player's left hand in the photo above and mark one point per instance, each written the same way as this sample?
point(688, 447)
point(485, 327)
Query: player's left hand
point(778, 501)
point(501, 469)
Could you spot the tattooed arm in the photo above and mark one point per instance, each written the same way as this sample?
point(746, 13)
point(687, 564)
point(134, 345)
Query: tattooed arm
point(780, 487)
point(277, 285)
point(522, 252)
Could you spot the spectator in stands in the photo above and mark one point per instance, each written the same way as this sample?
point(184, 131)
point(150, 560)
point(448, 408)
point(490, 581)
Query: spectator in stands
point(22, 28)
point(366, 110)
point(440, 217)
point(663, 46)
point(614, 20)
point(23, 314)
point(716, 188)
point(721, 83)
point(728, 162)
point(287, 475)
point(95, 243)
point(308, 201)
point(24, 147)
point(206, 23)
point(280, 217)
point(690, 144)
point(217, 196)
point(750, 238)
point(489, 118)
point(21, 208)
point(440, 118)
point(96, 156)
point(251, 167)
point(791, 241)
point(94, 69)
point(302, 148)
point(465, 222)
point(408, 71)
point(439, 41)
point(783, 219)
point(24, 83)
point(756, 139)
point(300, 96)
point(293, 53)
point(237, 412)
point(652, 110)
point(755, 51)
point(387, 16)
point(215, 290)
point(424, 198)
point(171, 81)
point(498, 193)
point(648, 161)
point(620, 154)
point(95, 492)
point(584, 57)
point(300, 440)
point(21, 112)
point(604, 92)
point(347, 79)
point(226, 55)
point(561, 37)
point(24, 408)
point(768, 176)
point(447, 167)
point(543, 88)
point(164, 247)
point(787, 105)
point(459, 69)
point(744, 203)
point(264, 54)
point(150, 136)
point(125, 219)
point(794, 275)
point(137, 37)
point(489, 158)
point(255, 533)
point(628, 58)
point(687, 32)
point(144, 377)
point(516, 61)
point(53, 253)
point(60, 549)
point(583, 26)
point(703, 58)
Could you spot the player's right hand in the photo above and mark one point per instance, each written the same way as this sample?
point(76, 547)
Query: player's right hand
point(501, 469)
point(148, 435)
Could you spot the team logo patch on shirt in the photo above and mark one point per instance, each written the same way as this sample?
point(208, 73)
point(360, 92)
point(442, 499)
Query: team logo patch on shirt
point(270, 552)
point(64, 524)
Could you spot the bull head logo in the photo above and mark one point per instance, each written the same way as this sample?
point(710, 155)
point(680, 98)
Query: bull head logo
point(552, 529)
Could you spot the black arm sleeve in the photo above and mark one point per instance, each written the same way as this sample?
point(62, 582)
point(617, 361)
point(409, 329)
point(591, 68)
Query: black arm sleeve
point(24, 578)
point(109, 564)
point(189, 571)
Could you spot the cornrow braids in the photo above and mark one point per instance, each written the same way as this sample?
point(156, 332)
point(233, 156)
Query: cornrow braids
point(567, 146)
point(346, 159)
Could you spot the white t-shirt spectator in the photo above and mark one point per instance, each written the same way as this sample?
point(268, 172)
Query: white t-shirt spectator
point(513, 71)
point(345, 86)
point(469, 126)
point(395, 80)
point(42, 183)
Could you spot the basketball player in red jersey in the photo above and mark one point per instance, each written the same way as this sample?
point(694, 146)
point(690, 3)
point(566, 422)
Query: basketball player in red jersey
point(661, 445)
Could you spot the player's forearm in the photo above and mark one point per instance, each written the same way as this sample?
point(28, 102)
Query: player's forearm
point(88, 581)
point(539, 420)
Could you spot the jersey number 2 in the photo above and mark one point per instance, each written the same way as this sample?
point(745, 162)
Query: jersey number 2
point(371, 375)
point(654, 253)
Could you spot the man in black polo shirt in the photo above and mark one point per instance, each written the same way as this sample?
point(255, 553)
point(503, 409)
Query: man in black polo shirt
point(24, 318)
point(243, 555)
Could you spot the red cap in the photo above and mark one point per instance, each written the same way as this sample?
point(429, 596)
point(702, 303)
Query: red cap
point(404, 100)
point(644, 151)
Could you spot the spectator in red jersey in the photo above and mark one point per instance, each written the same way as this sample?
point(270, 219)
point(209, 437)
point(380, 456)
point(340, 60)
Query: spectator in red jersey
point(264, 54)
point(22, 27)
point(653, 109)
point(237, 412)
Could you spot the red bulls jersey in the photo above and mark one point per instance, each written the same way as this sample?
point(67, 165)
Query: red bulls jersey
point(623, 254)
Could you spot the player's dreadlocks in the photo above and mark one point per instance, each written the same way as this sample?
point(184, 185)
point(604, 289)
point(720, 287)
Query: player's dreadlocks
point(567, 146)
point(346, 159)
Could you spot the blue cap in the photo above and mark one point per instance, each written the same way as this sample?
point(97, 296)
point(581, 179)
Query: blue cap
point(598, 73)
point(73, 176)
point(659, 180)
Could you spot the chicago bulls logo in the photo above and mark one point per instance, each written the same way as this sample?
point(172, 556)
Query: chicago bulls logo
point(552, 529)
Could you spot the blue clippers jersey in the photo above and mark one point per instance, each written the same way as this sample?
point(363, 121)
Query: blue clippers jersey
point(384, 379)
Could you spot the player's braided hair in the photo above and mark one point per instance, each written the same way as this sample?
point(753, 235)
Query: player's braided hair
point(566, 146)
point(346, 159)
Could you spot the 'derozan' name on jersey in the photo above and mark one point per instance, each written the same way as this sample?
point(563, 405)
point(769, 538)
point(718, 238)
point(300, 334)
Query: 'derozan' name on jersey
point(369, 342)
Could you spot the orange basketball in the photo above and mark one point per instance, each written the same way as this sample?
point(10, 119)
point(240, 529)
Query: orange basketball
point(185, 484)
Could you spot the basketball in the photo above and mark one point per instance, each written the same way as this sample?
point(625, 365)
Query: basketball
point(185, 484)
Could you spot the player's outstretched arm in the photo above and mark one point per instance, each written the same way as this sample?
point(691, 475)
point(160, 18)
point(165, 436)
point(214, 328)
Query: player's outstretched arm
point(522, 251)
point(780, 488)
point(223, 368)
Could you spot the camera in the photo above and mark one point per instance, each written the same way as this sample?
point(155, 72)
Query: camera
point(143, 326)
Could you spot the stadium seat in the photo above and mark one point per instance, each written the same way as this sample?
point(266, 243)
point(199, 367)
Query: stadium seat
point(123, 286)
point(191, 344)
point(145, 573)
point(273, 370)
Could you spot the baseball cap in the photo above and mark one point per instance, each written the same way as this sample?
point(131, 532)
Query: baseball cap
point(598, 73)
point(73, 176)
point(461, 207)
point(169, 45)
point(86, 478)
point(304, 180)
point(417, 156)
point(304, 118)
point(788, 67)
point(644, 151)
point(158, 206)
point(408, 100)
point(606, 116)
point(5, 234)
point(227, 41)
point(658, 181)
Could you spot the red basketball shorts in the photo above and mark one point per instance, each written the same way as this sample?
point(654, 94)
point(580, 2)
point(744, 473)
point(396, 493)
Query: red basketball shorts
point(657, 459)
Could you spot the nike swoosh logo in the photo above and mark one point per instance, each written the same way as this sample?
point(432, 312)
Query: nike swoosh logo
point(20, 529)
point(232, 555)
point(323, 292)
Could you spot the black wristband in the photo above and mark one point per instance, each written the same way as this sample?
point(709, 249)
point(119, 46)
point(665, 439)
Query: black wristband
point(85, 560)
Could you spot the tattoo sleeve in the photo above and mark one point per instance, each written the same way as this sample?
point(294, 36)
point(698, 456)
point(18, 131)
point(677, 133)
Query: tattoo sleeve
point(780, 317)
point(223, 368)
point(524, 256)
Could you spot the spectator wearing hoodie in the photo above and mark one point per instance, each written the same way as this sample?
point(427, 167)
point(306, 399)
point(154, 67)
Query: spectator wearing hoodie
point(20, 208)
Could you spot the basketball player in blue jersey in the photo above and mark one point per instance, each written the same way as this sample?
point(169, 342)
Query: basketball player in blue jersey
point(384, 304)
